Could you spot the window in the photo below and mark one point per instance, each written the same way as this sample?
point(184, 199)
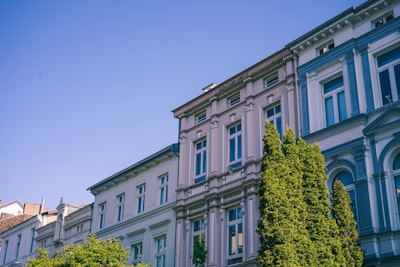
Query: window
point(32, 240)
point(335, 101)
point(382, 20)
point(141, 190)
point(201, 117)
point(163, 189)
point(102, 215)
point(79, 229)
point(161, 251)
point(273, 115)
point(137, 253)
point(233, 100)
point(235, 236)
point(326, 47)
point(198, 229)
point(17, 246)
point(201, 161)
point(269, 81)
point(5, 251)
point(346, 178)
point(396, 178)
point(43, 243)
point(235, 146)
point(389, 76)
point(120, 207)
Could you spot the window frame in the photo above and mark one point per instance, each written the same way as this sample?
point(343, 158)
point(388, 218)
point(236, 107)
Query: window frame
point(137, 258)
point(235, 142)
point(102, 214)
point(351, 190)
point(160, 251)
point(200, 117)
point(276, 117)
point(338, 107)
point(326, 47)
point(141, 197)
point(378, 22)
point(389, 66)
point(200, 160)
point(120, 207)
point(163, 183)
point(271, 80)
point(235, 255)
point(233, 99)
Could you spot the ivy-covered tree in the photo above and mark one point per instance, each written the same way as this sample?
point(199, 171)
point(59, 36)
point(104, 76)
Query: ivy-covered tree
point(93, 253)
point(199, 252)
point(280, 226)
point(322, 228)
point(347, 225)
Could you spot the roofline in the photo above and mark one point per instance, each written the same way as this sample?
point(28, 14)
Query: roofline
point(174, 148)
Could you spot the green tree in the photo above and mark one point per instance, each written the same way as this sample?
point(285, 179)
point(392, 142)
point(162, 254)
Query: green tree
point(199, 252)
point(323, 229)
point(93, 253)
point(280, 228)
point(347, 225)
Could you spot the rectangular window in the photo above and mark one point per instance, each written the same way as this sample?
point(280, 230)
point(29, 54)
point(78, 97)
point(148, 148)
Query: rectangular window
point(382, 20)
point(335, 101)
point(163, 188)
point(235, 146)
point(389, 76)
point(201, 117)
point(235, 236)
point(201, 161)
point(269, 81)
point(120, 207)
point(273, 115)
point(161, 251)
point(5, 251)
point(32, 240)
point(326, 47)
point(233, 100)
point(198, 229)
point(141, 190)
point(102, 215)
point(137, 253)
point(17, 246)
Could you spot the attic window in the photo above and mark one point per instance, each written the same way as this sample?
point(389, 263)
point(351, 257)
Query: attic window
point(326, 47)
point(233, 100)
point(271, 80)
point(382, 20)
point(200, 117)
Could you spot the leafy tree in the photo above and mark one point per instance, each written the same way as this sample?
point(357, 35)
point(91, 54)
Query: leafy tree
point(347, 225)
point(93, 253)
point(323, 229)
point(199, 252)
point(280, 228)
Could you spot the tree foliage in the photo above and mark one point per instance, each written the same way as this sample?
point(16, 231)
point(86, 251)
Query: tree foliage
point(296, 227)
point(199, 252)
point(93, 253)
point(347, 225)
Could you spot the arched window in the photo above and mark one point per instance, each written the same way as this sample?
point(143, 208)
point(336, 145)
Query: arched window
point(396, 178)
point(347, 180)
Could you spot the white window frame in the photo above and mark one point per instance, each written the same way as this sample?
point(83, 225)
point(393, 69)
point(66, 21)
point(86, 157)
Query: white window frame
point(137, 252)
point(163, 182)
point(200, 117)
point(389, 67)
point(200, 160)
point(276, 117)
point(333, 94)
point(271, 80)
point(141, 197)
point(160, 256)
point(18, 245)
point(120, 207)
point(102, 214)
point(233, 99)
point(237, 138)
point(236, 255)
point(200, 232)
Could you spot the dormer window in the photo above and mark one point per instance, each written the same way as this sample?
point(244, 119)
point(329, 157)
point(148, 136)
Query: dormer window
point(382, 20)
point(326, 47)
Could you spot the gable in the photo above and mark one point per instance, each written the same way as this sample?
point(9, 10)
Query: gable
point(387, 120)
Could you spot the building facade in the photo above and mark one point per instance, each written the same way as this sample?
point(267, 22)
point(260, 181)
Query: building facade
point(136, 205)
point(220, 155)
point(349, 91)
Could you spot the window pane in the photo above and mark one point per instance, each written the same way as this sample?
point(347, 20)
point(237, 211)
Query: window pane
point(397, 188)
point(270, 112)
point(397, 77)
point(232, 151)
point(341, 106)
point(232, 215)
point(204, 161)
point(239, 155)
point(330, 119)
point(232, 240)
point(334, 84)
point(345, 177)
point(279, 126)
point(240, 238)
point(385, 86)
point(396, 163)
point(198, 162)
point(388, 57)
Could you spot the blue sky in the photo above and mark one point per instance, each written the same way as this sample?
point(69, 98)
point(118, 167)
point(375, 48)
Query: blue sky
point(87, 86)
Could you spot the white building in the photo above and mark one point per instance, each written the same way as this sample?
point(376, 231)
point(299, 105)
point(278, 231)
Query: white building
point(136, 206)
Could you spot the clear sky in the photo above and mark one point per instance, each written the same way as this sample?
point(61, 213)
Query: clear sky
point(87, 86)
